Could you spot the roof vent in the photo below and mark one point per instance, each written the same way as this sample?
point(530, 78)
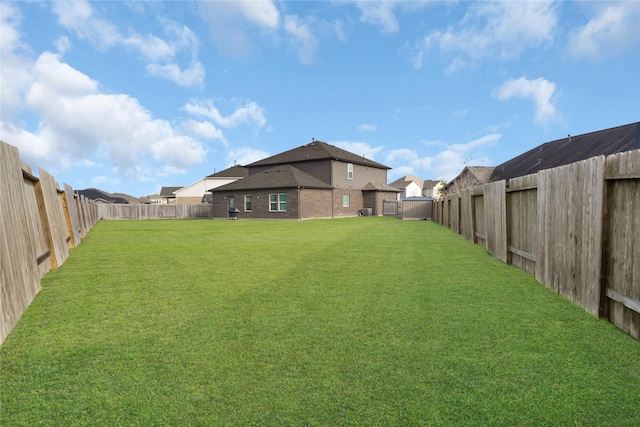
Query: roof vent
point(569, 135)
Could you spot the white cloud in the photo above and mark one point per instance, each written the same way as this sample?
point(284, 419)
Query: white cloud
point(260, 12)
point(302, 37)
point(539, 90)
point(250, 112)
point(204, 129)
point(245, 155)
point(99, 180)
point(445, 164)
point(492, 29)
point(228, 22)
point(360, 148)
point(407, 162)
point(191, 76)
point(382, 13)
point(63, 44)
point(16, 69)
point(78, 123)
point(614, 29)
point(367, 128)
point(79, 17)
point(379, 13)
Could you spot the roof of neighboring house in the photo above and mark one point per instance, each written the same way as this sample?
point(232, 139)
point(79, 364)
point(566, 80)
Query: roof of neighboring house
point(317, 150)
point(232, 172)
point(95, 194)
point(481, 175)
point(281, 176)
point(429, 183)
point(127, 197)
point(381, 187)
point(569, 150)
point(404, 181)
point(168, 191)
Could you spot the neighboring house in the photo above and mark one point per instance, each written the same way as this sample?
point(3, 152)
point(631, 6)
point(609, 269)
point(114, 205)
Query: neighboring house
point(195, 192)
point(569, 150)
point(410, 185)
point(100, 196)
point(429, 188)
point(316, 180)
point(413, 187)
point(167, 194)
point(153, 199)
point(471, 176)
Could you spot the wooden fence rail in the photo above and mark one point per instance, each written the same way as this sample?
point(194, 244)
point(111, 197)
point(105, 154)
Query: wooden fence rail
point(151, 211)
point(575, 227)
point(39, 224)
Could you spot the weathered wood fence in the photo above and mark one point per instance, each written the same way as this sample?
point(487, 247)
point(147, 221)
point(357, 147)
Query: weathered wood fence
point(153, 211)
point(575, 227)
point(39, 224)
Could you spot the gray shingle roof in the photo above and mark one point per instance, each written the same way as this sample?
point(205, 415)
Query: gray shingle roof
point(569, 150)
point(381, 187)
point(232, 172)
point(281, 176)
point(317, 150)
point(168, 191)
point(95, 194)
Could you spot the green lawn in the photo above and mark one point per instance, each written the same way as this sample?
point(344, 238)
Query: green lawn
point(359, 321)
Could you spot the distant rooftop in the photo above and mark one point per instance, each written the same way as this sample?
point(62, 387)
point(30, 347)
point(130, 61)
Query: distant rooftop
point(571, 149)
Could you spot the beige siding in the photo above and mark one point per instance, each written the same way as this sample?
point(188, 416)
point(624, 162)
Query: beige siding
point(362, 175)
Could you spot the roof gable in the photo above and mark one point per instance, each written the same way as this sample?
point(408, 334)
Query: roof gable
point(569, 150)
point(236, 171)
point(317, 150)
point(281, 176)
point(406, 180)
point(168, 191)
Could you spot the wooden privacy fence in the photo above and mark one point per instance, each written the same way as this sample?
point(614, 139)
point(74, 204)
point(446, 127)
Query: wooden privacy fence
point(39, 224)
point(153, 211)
point(575, 227)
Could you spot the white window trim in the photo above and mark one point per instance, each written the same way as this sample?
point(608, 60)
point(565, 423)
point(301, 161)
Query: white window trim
point(346, 198)
point(349, 170)
point(245, 203)
point(278, 202)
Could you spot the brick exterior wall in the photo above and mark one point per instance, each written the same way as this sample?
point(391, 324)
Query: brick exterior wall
point(315, 203)
point(312, 203)
point(259, 204)
point(355, 202)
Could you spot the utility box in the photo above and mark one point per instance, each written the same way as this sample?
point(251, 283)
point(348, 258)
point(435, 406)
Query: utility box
point(366, 212)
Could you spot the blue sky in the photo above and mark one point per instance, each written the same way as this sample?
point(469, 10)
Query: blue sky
point(132, 96)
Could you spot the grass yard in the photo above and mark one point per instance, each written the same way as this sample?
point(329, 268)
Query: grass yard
point(359, 321)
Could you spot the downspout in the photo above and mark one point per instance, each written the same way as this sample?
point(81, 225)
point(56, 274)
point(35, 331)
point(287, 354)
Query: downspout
point(333, 189)
point(299, 204)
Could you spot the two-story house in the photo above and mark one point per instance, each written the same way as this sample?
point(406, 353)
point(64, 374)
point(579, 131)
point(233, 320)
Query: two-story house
point(316, 180)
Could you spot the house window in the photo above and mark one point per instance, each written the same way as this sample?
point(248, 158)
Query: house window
point(232, 202)
point(278, 202)
point(247, 203)
point(349, 170)
point(345, 200)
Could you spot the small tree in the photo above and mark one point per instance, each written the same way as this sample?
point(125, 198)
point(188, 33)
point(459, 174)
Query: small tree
point(439, 191)
point(466, 180)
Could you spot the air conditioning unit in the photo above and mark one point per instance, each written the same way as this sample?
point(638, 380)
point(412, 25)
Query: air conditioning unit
point(366, 212)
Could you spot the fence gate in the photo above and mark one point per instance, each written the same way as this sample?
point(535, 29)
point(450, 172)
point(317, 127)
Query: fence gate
point(390, 208)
